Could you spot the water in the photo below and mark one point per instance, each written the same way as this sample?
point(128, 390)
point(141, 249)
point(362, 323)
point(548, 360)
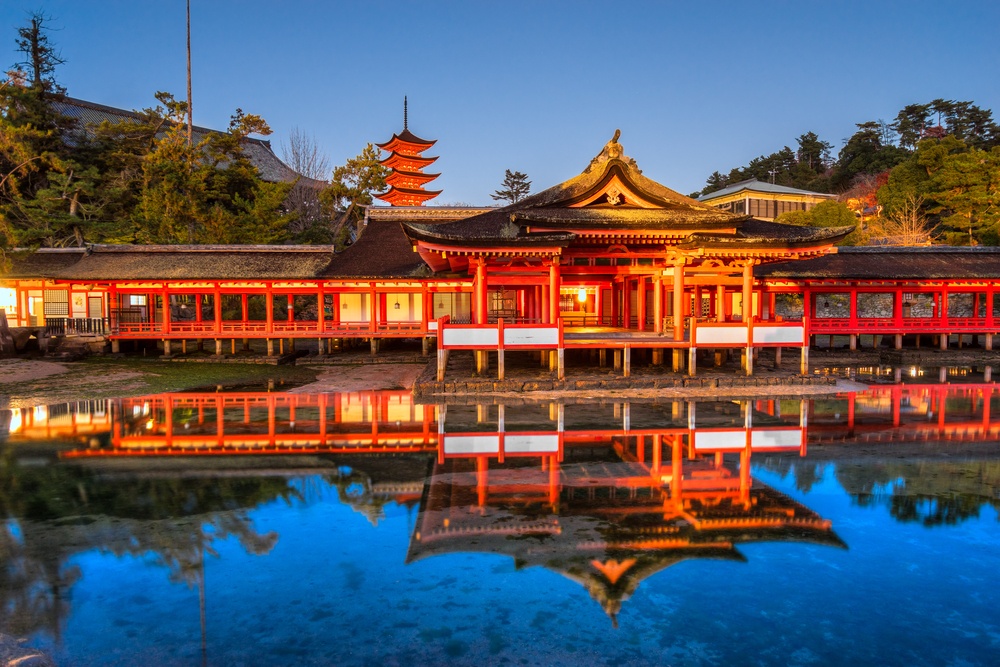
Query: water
point(616, 534)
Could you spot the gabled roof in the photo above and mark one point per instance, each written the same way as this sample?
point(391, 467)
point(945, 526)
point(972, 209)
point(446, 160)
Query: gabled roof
point(753, 185)
point(613, 195)
point(258, 151)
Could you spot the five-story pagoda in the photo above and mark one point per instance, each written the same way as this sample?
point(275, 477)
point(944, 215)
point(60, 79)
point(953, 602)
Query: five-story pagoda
point(406, 178)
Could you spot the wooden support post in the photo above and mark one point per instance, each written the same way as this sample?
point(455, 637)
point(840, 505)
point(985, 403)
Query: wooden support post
point(166, 347)
point(658, 356)
point(988, 374)
point(618, 359)
point(898, 342)
point(270, 347)
point(602, 357)
point(500, 364)
point(720, 357)
point(374, 345)
point(218, 347)
point(184, 347)
point(561, 363)
point(989, 341)
point(442, 363)
point(551, 356)
point(425, 346)
point(115, 346)
point(942, 376)
point(281, 346)
point(320, 347)
point(748, 355)
point(692, 361)
point(678, 361)
point(804, 362)
point(777, 358)
point(943, 341)
point(854, 341)
point(246, 344)
point(627, 365)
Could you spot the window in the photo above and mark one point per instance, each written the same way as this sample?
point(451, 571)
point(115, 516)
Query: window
point(56, 303)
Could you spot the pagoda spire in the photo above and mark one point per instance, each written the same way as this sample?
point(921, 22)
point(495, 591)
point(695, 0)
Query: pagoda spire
point(406, 163)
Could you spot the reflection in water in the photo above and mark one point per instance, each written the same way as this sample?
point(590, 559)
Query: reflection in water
point(605, 494)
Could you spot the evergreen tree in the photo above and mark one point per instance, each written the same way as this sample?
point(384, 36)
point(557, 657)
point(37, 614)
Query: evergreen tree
point(352, 187)
point(514, 188)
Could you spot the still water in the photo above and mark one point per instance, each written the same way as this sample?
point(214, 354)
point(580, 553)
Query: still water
point(365, 529)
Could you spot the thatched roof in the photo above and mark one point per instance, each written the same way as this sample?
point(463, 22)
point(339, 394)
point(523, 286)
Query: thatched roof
point(382, 251)
point(44, 263)
point(258, 151)
point(194, 262)
point(882, 263)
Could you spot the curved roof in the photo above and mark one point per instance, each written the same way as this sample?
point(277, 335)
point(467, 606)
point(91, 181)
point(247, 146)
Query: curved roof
point(406, 138)
point(612, 194)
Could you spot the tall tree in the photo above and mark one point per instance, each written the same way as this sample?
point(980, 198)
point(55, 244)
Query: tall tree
point(514, 188)
point(352, 187)
point(304, 156)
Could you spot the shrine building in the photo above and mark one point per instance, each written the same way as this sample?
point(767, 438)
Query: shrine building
point(608, 261)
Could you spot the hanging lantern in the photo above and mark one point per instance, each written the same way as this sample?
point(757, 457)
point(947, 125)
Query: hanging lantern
point(581, 295)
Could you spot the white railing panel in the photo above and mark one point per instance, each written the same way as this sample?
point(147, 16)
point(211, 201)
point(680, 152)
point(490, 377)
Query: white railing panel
point(472, 444)
point(772, 335)
point(714, 441)
point(531, 336)
point(485, 337)
point(706, 334)
point(776, 439)
point(535, 444)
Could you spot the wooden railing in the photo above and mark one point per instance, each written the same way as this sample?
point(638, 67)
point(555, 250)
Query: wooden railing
point(76, 326)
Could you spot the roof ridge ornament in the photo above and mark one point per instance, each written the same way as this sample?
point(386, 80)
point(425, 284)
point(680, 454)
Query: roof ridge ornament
point(612, 151)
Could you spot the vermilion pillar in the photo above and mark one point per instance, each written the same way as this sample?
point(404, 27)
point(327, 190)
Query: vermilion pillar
point(679, 301)
point(554, 290)
point(479, 304)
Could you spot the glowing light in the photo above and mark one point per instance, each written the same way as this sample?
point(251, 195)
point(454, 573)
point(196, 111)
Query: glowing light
point(913, 371)
point(149, 424)
point(8, 300)
point(15, 421)
point(581, 295)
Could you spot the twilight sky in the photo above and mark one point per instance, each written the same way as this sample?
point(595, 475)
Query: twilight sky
point(536, 86)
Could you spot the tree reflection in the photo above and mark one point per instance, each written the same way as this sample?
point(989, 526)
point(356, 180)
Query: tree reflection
point(54, 512)
point(934, 493)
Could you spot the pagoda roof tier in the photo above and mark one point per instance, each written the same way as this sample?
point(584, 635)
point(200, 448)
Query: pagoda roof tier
point(612, 195)
point(417, 176)
point(407, 162)
point(406, 140)
point(408, 195)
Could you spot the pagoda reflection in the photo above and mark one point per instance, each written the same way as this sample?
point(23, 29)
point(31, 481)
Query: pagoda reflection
point(630, 490)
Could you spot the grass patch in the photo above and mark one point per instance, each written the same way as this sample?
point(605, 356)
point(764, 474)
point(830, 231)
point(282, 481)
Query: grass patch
point(102, 377)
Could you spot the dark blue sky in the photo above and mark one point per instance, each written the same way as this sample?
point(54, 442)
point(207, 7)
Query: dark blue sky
point(534, 86)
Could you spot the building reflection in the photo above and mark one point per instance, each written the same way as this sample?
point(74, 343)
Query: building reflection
point(604, 493)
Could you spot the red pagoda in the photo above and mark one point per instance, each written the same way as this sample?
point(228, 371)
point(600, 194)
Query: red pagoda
point(406, 179)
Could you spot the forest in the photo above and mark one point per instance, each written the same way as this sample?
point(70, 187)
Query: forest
point(931, 175)
point(147, 179)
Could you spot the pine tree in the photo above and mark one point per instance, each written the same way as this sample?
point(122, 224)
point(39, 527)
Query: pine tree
point(515, 187)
